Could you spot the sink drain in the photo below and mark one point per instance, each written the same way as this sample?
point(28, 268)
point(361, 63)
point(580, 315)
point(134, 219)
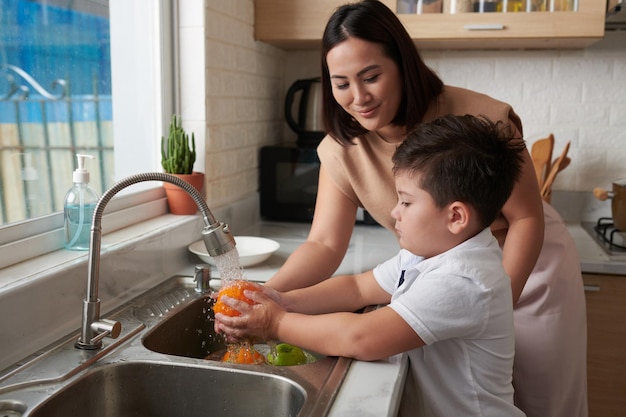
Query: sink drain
point(12, 408)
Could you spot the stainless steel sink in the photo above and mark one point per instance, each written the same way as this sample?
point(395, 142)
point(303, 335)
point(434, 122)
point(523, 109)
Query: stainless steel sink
point(187, 332)
point(160, 389)
point(157, 367)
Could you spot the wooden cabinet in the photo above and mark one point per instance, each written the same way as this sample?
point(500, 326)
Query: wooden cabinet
point(606, 347)
point(299, 24)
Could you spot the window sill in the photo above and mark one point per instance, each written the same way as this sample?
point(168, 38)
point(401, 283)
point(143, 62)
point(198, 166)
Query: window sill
point(53, 262)
point(32, 238)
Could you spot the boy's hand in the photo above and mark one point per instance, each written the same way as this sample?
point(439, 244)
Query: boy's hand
point(258, 320)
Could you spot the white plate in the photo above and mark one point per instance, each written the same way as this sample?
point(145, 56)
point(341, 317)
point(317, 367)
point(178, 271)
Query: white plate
point(252, 250)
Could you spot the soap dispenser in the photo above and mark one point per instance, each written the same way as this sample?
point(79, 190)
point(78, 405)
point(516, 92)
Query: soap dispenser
point(79, 205)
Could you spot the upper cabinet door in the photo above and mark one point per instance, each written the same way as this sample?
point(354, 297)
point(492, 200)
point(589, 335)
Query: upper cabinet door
point(299, 24)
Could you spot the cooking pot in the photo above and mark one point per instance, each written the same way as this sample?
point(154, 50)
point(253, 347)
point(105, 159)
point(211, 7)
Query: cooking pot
point(618, 202)
point(308, 123)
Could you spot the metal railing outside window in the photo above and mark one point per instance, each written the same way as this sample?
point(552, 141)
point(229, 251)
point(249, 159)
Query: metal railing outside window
point(55, 101)
point(41, 131)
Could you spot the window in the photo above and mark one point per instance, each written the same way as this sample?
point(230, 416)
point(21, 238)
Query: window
point(141, 91)
point(55, 102)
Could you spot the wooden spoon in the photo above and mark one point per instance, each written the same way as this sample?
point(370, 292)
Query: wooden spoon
point(557, 167)
point(564, 164)
point(541, 153)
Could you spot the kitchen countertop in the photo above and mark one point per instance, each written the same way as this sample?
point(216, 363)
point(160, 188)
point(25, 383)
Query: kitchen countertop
point(593, 259)
point(369, 246)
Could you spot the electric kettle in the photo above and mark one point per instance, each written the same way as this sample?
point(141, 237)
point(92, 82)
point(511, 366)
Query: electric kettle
point(308, 123)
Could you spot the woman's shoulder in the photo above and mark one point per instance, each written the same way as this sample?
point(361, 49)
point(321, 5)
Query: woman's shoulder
point(461, 101)
point(457, 97)
point(370, 143)
point(328, 143)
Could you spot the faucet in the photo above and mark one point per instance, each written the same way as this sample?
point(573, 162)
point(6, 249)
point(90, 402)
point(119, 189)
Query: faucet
point(217, 237)
point(202, 278)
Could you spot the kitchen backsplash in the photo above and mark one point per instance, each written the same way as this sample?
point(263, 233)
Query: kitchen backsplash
point(233, 90)
point(231, 93)
point(578, 95)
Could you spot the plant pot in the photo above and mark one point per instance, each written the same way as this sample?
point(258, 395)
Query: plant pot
point(178, 200)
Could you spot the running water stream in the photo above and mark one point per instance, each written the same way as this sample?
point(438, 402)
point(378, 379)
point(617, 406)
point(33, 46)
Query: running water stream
point(229, 267)
point(230, 270)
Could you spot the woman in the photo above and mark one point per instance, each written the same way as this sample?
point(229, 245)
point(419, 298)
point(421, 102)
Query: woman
point(376, 89)
point(445, 292)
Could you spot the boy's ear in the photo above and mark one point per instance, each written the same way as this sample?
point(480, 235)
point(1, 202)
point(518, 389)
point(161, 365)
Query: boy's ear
point(459, 217)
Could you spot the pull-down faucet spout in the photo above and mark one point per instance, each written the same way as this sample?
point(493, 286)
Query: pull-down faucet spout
point(217, 237)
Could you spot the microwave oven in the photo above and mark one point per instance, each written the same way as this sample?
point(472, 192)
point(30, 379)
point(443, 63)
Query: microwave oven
point(288, 184)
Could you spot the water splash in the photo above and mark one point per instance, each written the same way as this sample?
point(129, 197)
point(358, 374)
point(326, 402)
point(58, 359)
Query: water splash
point(229, 267)
point(243, 353)
point(230, 270)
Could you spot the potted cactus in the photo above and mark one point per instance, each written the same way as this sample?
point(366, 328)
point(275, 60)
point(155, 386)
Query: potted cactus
point(178, 155)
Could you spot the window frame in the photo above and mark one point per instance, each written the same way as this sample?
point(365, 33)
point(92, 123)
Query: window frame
point(144, 98)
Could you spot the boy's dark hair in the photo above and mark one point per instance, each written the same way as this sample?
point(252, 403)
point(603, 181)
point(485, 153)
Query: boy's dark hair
point(463, 158)
point(373, 21)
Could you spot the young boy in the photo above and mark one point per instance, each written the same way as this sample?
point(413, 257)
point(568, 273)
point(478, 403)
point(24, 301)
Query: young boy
point(448, 299)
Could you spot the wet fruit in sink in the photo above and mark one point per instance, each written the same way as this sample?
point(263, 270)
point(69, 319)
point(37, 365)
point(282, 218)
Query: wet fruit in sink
point(243, 354)
point(285, 354)
point(234, 290)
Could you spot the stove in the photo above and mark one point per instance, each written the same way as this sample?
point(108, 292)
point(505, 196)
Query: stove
point(607, 236)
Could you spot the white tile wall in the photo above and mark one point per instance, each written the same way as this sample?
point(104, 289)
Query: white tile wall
point(231, 93)
point(579, 95)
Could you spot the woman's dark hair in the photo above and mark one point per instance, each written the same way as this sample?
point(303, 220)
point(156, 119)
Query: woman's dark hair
point(372, 21)
point(463, 158)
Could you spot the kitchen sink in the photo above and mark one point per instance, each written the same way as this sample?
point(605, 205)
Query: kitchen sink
point(187, 332)
point(161, 389)
point(165, 363)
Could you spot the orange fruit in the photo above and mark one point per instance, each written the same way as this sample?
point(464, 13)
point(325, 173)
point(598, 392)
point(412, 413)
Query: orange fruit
point(243, 354)
point(234, 290)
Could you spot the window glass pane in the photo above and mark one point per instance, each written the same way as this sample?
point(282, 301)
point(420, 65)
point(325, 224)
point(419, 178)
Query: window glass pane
point(55, 101)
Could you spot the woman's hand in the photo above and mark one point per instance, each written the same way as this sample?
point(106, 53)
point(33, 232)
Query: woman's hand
point(256, 321)
point(274, 295)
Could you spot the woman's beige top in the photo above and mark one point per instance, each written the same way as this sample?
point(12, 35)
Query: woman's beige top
point(363, 171)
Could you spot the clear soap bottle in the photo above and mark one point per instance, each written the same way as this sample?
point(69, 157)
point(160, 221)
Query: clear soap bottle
point(79, 205)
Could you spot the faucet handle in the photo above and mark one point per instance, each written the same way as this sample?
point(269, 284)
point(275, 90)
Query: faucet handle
point(202, 276)
point(102, 328)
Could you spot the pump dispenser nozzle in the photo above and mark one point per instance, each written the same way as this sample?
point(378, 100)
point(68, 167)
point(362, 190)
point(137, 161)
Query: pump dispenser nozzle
point(81, 175)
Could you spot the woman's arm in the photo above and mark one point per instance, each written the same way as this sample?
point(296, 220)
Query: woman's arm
point(326, 245)
point(522, 244)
